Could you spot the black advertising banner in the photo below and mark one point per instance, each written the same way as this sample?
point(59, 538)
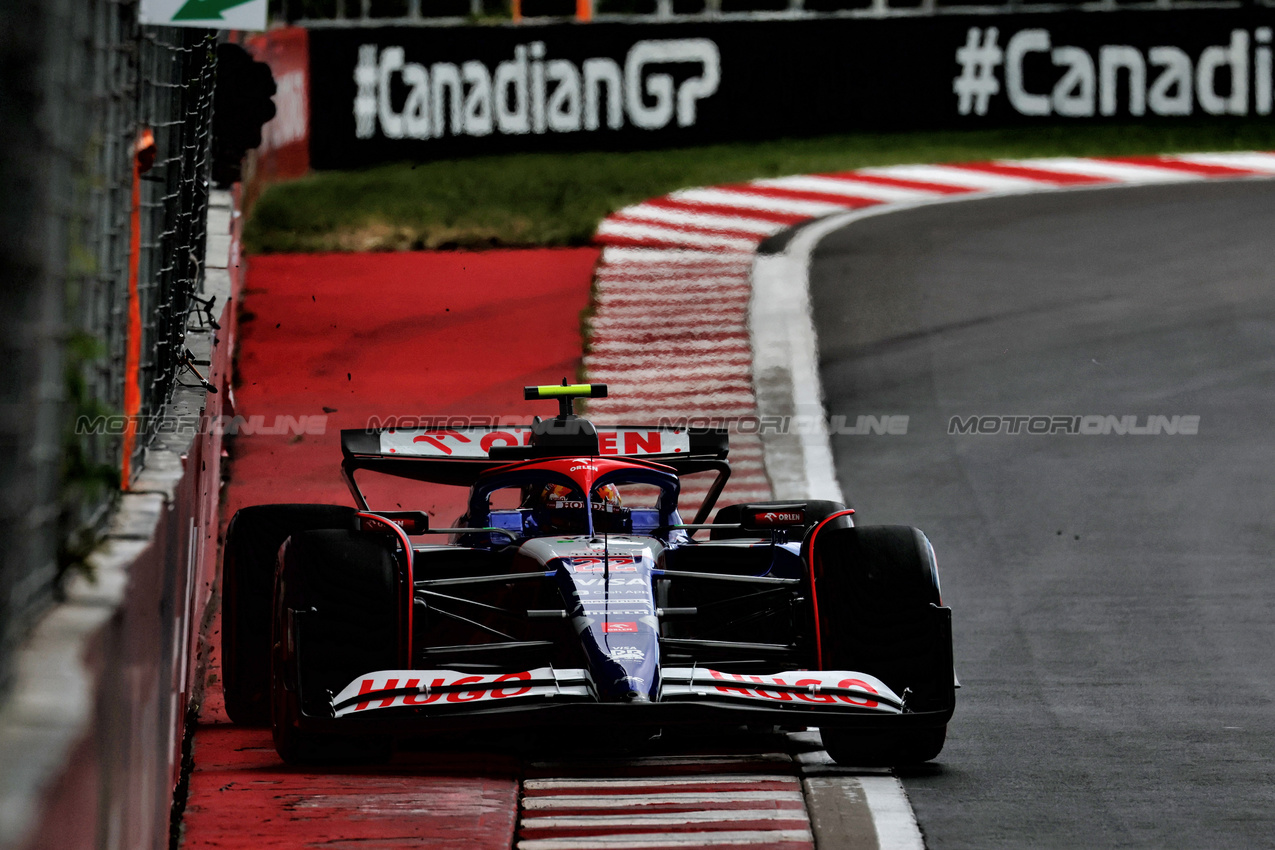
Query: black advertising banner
point(431, 92)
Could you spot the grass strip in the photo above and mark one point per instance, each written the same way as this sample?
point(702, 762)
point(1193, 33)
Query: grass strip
point(556, 199)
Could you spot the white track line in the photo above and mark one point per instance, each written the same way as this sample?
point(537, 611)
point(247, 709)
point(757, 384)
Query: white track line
point(647, 782)
point(723, 762)
point(615, 801)
point(892, 815)
point(786, 361)
point(672, 263)
point(652, 270)
point(673, 839)
point(719, 816)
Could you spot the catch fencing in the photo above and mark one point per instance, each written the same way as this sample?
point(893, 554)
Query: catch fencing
point(101, 260)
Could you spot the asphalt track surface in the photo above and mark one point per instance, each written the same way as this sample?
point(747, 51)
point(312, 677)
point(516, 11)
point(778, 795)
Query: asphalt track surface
point(1112, 594)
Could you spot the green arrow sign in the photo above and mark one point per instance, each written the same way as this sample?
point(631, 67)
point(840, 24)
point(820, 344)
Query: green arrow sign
point(204, 10)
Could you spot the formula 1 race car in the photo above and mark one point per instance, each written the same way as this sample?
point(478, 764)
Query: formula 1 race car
point(572, 593)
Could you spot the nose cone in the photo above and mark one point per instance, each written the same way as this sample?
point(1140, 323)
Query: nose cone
point(607, 587)
point(625, 673)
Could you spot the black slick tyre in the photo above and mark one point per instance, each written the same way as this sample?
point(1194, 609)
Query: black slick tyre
point(857, 748)
point(249, 558)
point(879, 614)
point(335, 617)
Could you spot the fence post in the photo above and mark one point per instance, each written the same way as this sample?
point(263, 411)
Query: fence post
point(143, 156)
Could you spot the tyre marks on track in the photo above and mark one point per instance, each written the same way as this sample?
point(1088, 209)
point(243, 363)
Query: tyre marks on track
point(657, 802)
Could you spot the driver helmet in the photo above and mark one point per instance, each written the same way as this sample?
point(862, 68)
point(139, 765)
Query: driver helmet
point(607, 494)
point(557, 493)
point(553, 496)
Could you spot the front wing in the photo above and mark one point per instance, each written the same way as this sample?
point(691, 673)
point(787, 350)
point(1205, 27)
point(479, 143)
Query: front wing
point(410, 702)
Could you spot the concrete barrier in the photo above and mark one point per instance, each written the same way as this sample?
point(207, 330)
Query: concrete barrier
point(91, 738)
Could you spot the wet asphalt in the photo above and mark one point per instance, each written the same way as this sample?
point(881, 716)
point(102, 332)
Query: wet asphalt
point(1114, 595)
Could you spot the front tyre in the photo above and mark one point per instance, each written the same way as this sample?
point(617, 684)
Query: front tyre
point(855, 747)
point(879, 613)
point(249, 559)
point(335, 617)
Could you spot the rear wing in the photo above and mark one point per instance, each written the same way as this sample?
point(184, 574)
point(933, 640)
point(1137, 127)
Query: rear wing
point(459, 455)
point(645, 442)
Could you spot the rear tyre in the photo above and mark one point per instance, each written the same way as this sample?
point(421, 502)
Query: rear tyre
point(878, 612)
point(249, 557)
point(816, 510)
point(336, 593)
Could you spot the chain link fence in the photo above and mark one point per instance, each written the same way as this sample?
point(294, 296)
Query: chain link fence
point(100, 265)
